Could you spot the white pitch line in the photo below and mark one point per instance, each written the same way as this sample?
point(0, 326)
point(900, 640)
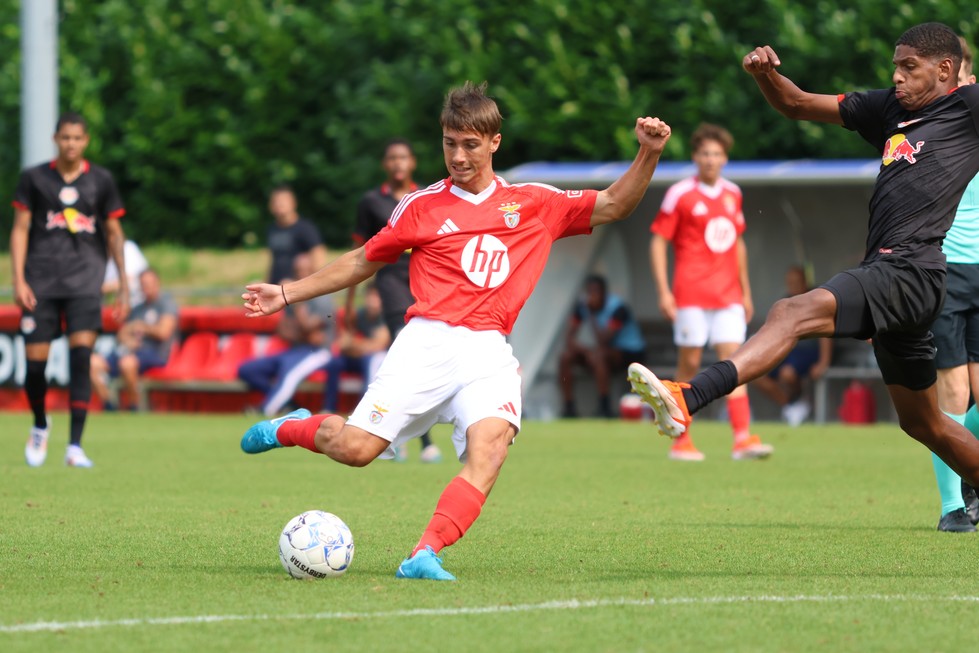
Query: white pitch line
point(572, 604)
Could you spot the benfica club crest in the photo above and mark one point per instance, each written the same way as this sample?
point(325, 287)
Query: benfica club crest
point(510, 216)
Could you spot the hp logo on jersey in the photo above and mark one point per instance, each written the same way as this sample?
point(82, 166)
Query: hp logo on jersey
point(485, 261)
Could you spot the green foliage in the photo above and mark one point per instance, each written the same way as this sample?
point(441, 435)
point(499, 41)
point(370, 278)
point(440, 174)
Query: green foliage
point(199, 107)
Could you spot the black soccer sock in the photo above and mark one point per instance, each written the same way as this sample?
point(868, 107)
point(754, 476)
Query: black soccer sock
point(426, 439)
point(79, 389)
point(715, 382)
point(36, 387)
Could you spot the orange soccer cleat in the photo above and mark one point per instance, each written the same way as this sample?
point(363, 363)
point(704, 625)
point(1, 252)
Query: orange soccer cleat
point(751, 448)
point(664, 397)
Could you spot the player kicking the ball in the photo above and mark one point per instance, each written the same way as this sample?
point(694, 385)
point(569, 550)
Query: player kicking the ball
point(478, 247)
point(927, 129)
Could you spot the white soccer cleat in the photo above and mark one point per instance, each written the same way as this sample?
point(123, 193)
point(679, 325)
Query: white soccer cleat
point(75, 457)
point(36, 450)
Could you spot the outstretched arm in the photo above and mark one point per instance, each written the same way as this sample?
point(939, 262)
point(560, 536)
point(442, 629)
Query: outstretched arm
point(619, 200)
point(347, 270)
point(784, 96)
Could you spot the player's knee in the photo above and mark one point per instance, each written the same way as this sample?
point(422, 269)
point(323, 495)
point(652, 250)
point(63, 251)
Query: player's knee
point(347, 446)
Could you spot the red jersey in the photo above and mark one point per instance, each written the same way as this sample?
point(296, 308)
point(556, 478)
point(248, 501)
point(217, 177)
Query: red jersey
point(703, 223)
point(476, 258)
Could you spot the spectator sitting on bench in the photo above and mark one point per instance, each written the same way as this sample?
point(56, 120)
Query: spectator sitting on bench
point(809, 359)
point(142, 343)
point(360, 348)
point(604, 337)
point(309, 329)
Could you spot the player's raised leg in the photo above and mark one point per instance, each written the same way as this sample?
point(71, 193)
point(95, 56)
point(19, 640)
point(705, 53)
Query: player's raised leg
point(810, 314)
point(324, 434)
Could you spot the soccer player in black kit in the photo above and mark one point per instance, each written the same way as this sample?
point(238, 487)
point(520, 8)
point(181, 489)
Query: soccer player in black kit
point(65, 224)
point(373, 211)
point(927, 130)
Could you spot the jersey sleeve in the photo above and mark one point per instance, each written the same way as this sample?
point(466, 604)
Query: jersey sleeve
point(739, 221)
point(24, 195)
point(668, 216)
point(568, 213)
point(112, 206)
point(865, 113)
point(388, 244)
point(970, 94)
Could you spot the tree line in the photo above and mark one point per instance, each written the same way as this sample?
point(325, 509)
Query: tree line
point(200, 107)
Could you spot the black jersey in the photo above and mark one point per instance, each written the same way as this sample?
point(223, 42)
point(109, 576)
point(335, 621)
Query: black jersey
point(928, 157)
point(285, 243)
point(66, 247)
point(373, 212)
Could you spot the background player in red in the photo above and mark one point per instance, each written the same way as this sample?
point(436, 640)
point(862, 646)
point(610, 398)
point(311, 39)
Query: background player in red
point(927, 130)
point(65, 225)
point(373, 212)
point(478, 246)
point(710, 299)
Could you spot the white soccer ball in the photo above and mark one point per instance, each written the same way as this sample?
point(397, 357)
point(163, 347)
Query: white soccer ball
point(316, 544)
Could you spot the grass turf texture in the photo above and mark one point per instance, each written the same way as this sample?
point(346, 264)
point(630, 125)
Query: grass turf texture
point(830, 545)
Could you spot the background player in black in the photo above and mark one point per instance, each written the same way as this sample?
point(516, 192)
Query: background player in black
point(65, 222)
point(928, 133)
point(290, 235)
point(373, 211)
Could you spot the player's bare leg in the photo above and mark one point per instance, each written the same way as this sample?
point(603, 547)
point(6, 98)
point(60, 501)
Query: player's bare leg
point(920, 417)
point(487, 444)
point(808, 315)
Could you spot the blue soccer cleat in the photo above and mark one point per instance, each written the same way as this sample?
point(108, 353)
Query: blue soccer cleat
point(261, 436)
point(425, 565)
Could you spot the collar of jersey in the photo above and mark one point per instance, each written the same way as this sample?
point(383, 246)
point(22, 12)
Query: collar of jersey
point(472, 198)
point(712, 192)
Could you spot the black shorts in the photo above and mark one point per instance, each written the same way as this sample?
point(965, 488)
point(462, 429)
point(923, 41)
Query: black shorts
point(44, 323)
point(957, 327)
point(895, 302)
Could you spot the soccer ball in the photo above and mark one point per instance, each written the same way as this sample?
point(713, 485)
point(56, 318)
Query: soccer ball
point(316, 544)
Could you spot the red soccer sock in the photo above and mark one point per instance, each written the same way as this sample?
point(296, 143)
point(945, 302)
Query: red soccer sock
point(684, 440)
point(739, 412)
point(457, 509)
point(300, 432)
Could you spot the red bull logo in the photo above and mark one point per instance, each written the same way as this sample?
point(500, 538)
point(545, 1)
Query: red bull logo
point(71, 220)
point(899, 148)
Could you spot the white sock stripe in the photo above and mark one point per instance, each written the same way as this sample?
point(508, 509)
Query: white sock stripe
point(570, 604)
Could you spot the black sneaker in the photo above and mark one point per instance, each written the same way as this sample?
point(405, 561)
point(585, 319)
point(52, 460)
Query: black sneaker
point(971, 502)
point(956, 522)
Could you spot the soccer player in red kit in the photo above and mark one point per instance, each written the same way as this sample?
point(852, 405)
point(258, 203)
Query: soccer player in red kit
point(478, 247)
point(710, 300)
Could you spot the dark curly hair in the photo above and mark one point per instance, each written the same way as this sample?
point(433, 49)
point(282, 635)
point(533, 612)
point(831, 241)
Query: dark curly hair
point(934, 41)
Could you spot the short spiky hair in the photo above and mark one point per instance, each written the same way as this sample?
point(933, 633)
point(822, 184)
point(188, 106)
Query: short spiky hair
point(708, 132)
point(935, 41)
point(70, 118)
point(469, 109)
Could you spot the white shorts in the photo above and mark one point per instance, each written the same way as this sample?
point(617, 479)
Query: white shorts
point(696, 327)
point(436, 373)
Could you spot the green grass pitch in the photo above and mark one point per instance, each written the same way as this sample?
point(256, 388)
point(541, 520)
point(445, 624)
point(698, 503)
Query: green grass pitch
point(591, 541)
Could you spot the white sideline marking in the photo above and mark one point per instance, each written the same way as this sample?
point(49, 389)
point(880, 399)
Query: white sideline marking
point(573, 604)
